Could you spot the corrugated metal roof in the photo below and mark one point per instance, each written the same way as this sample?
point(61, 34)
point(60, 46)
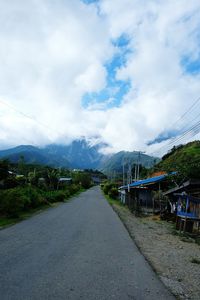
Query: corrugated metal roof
point(147, 181)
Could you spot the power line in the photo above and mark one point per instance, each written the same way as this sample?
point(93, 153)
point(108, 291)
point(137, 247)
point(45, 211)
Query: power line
point(187, 111)
point(184, 134)
point(29, 117)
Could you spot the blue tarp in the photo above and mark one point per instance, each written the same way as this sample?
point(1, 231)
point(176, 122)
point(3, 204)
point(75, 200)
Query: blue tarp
point(147, 181)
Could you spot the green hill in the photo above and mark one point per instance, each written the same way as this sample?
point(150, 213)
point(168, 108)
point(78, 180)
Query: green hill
point(115, 162)
point(185, 159)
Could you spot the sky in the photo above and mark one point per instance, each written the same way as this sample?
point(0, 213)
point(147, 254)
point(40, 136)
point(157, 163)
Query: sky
point(124, 73)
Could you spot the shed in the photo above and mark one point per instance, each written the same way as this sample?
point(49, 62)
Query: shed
point(139, 194)
point(62, 181)
point(186, 198)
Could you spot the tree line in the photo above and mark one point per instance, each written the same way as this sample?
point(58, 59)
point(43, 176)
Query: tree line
point(24, 187)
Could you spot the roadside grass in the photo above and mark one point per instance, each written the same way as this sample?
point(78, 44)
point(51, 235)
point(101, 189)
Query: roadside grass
point(112, 201)
point(9, 221)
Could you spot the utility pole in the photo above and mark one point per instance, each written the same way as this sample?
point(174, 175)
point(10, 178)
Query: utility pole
point(135, 178)
point(138, 166)
point(137, 171)
point(123, 165)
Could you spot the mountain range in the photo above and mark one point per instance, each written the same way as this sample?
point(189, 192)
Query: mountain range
point(77, 155)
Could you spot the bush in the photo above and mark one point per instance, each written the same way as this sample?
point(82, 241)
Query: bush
point(113, 193)
point(55, 196)
point(34, 195)
point(108, 186)
point(10, 183)
point(13, 201)
point(67, 194)
point(73, 189)
point(82, 178)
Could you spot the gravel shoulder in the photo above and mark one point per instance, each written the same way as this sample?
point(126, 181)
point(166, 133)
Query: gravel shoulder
point(170, 255)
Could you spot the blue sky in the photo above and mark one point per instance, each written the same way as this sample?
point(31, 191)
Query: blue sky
point(191, 66)
point(112, 95)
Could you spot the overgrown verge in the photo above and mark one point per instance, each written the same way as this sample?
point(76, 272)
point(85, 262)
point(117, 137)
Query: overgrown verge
point(25, 189)
point(19, 203)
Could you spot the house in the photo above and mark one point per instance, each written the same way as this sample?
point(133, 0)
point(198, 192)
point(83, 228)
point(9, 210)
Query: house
point(145, 194)
point(190, 187)
point(64, 181)
point(186, 199)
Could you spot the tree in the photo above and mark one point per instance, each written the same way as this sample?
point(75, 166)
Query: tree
point(82, 178)
point(4, 169)
point(21, 165)
point(51, 177)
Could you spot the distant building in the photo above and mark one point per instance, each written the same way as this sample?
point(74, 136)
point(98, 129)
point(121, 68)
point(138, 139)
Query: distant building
point(63, 181)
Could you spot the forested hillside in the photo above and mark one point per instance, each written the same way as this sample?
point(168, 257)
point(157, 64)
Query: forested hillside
point(185, 159)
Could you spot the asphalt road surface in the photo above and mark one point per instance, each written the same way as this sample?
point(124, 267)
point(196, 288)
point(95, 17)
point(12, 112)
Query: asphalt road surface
point(78, 250)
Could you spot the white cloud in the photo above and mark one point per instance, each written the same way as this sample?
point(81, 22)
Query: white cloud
point(161, 34)
point(53, 52)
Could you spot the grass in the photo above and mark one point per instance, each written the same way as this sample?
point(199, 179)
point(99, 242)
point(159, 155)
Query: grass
point(195, 261)
point(112, 201)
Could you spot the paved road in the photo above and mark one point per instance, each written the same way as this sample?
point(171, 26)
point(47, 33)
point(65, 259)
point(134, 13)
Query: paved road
point(79, 250)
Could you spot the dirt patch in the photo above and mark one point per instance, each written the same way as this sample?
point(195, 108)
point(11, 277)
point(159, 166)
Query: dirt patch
point(175, 259)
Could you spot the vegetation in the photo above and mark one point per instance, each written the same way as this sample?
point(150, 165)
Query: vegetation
point(114, 164)
point(185, 159)
point(25, 188)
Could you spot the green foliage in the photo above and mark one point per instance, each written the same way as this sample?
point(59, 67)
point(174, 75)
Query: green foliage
point(113, 193)
point(51, 177)
point(116, 161)
point(108, 186)
point(10, 182)
point(21, 194)
point(55, 196)
point(13, 201)
point(35, 197)
point(82, 178)
point(3, 169)
point(183, 159)
point(73, 189)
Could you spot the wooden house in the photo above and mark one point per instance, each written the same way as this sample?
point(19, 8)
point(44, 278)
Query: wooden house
point(186, 199)
point(141, 195)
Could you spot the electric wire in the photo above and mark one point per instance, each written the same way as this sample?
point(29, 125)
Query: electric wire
point(192, 131)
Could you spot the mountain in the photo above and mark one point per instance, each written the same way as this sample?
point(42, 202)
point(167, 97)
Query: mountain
point(33, 155)
point(79, 154)
point(116, 161)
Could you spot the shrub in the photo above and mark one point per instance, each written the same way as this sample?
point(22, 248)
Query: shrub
point(108, 186)
point(10, 183)
point(34, 195)
point(113, 193)
point(13, 201)
point(67, 194)
point(55, 196)
point(73, 189)
point(82, 178)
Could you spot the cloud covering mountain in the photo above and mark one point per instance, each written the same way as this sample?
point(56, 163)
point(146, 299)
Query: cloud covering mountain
point(119, 74)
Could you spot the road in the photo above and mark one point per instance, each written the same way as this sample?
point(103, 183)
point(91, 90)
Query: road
point(78, 250)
